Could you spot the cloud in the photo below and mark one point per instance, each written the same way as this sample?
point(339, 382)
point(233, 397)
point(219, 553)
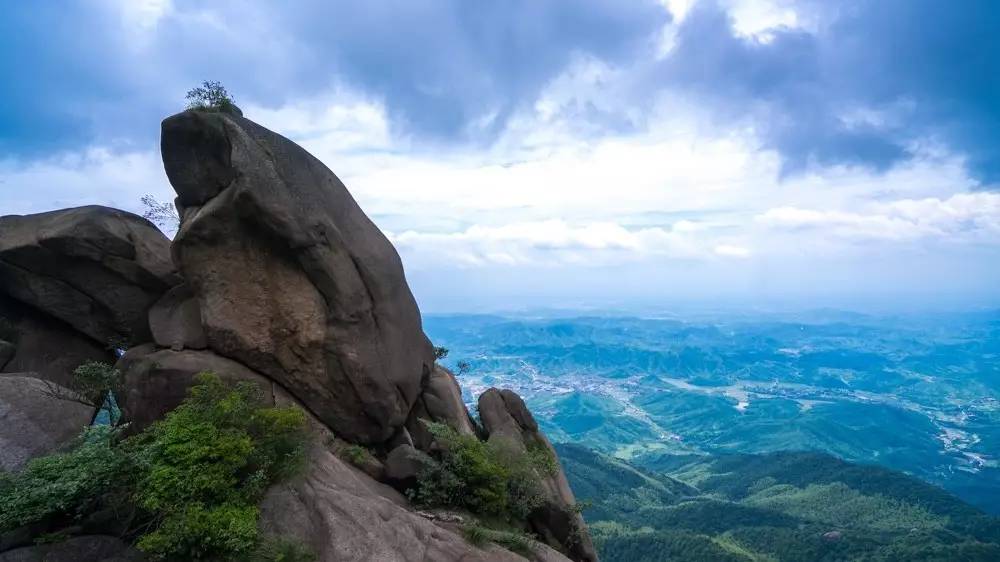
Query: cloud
point(961, 218)
point(556, 243)
point(914, 71)
point(444, 70)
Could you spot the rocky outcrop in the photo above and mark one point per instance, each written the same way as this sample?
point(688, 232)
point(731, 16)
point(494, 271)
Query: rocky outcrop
point(440, 401)
point(342, 514)
point(283, 282)
point(95, 269)
point(292, 279)
point(37, 417)
point(505, 417)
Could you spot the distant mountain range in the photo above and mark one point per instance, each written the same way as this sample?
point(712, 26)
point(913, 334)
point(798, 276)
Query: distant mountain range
point(787, 507)
point(917, 394)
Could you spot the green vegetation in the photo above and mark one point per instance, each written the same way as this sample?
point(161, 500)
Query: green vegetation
point(67, 485)
point(440, 352)
point(776, 507)
point(513, 541)
point(196, 476)
point(203, 469)
point(210, 96)
point(491, 479)
point(355, 454)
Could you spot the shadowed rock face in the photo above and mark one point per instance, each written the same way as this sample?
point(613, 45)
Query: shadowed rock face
point(440, 401)
point(96, 269)
point(43, 345)
point(291, 278)
point(36, 419)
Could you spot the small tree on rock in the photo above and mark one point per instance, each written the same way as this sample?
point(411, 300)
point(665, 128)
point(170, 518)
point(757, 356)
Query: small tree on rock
point(210, 96)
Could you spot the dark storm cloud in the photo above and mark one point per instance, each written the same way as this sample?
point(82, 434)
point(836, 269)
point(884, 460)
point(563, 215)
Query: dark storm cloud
point(860, 88)
point(875, 77)
point(437, 65)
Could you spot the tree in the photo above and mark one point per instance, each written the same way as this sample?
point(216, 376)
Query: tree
point(463, 367)
point(163, 215)
point(440, 352)
point(210, 96)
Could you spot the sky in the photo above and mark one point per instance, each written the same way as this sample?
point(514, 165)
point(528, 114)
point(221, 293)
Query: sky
point(586, 154)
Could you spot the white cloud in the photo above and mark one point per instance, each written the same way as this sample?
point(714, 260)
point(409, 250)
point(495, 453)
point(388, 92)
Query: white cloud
point(963, 217)
point(93, 176)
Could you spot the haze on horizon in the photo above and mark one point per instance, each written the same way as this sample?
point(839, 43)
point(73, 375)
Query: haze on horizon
point(544, 153)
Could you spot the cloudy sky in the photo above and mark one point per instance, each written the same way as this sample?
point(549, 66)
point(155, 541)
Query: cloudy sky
point(585, 154)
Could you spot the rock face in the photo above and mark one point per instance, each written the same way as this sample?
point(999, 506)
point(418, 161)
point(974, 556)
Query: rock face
point(42, 345)
point(34, 421)
point(506, 417)
point(93, 548)
point(95, 269)
point(175, 320)
point(343, 515)
point(439, 401)
point(291, 278)
point(156, 380)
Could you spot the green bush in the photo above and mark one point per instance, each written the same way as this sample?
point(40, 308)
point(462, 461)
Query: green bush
point(210, 96)
point(440, 352)
point(205, 466)
point(196, 476)
point(65, 484)
point(492, 479)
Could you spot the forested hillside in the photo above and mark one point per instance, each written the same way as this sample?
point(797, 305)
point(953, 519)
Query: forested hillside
point(771, 507)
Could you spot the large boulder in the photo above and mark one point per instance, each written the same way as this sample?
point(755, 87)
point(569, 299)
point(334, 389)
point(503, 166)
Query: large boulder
point(440, 401)
point(506, 418)
point(342, 515)
point(292, 279)
point(49, 348)
point(96, 269)
point(37, 417)
point(156, 381)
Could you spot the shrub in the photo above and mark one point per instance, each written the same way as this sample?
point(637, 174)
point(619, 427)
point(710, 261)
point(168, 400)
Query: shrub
point(492, 479)
point(204, 467)
point(95, 381)
point(515, 542)
point(355, 454)
point(440, 352)
point(65, 484)
point(210, 96)
point(197, 475)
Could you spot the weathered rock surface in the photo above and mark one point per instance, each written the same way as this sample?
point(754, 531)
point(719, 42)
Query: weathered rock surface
point(34, 421)
point(506, 417)
point(175, 320)
point(93, 548)
point(7, 350)
point(292, 279)
point(439, 401)
point(44, 346)
point(344, 516)
point(94, 268)
point(156, 380)
point(403, 465)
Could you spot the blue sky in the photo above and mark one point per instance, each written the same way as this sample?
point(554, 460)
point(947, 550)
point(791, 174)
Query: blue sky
point(592, 153)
